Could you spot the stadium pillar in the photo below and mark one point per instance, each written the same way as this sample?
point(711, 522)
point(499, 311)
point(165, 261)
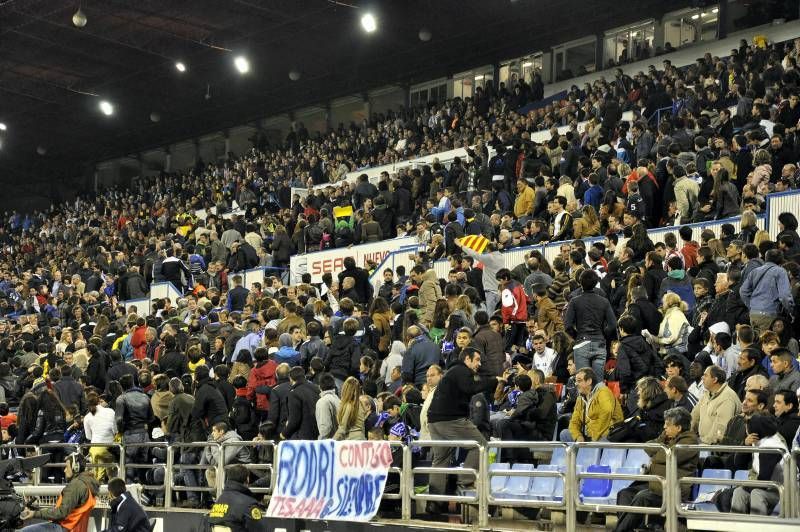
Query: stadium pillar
point(367, 105)
point(328, 121)
point(96, 179)
point(196, 154)
point(722, 20)
point(598, 52)
point(167, 160)
point(227, 134)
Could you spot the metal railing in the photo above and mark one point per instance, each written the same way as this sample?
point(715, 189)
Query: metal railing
point(784, 489)
point(672, 506)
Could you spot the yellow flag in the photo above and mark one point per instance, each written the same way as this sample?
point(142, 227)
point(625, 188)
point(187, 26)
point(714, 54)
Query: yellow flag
point(477, 243)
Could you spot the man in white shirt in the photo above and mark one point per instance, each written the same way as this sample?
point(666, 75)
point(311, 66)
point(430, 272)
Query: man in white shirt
point(543, 356)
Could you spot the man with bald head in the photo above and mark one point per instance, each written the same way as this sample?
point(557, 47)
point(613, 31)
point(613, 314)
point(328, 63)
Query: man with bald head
point(421, 354)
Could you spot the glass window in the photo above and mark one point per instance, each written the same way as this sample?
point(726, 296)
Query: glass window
point(628, 45)
point(691, 26)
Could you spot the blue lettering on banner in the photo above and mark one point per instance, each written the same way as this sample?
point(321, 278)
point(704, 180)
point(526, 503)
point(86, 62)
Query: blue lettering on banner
point(333, 480)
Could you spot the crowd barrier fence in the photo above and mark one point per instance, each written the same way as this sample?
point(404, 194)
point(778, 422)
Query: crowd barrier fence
point(482, 498)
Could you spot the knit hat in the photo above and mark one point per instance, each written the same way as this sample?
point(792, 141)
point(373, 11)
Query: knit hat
point(285, 340)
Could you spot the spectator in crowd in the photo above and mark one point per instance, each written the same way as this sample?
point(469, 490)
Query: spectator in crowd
point(596, 409)
point(715, 408)
point(763, 433)
point(126, 514)
point(677, 431)
point(448, 415)
point(591, 321)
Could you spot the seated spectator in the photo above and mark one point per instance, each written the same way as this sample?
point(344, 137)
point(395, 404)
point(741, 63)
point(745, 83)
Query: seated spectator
point(763, 433)
point(677, 431)
point(718, 405)
point(596, 409)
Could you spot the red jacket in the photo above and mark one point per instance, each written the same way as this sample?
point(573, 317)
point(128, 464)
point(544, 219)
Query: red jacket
point(515, 303)
point(263, 374)
point(139, 342)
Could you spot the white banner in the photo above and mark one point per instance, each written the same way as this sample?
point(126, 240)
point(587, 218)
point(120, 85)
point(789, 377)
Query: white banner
point(332, 260)
point(330, 480)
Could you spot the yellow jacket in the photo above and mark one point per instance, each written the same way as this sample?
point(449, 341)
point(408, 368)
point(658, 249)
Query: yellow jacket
point(524, 202)
point(593, 419)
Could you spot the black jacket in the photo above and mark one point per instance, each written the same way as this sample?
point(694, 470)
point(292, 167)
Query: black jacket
point(70, 392)
point(738, 380)
point(647, 314)
point(48, 429)
point(237, 297)
point(729, 308)
point(133, 410)
point(590, 317)
point(176, 272)
point(127, 515)
point(540, 420)
point(301, 421)
point(279, 405)
point(235, 508)
point(118, 369)
point(362, 287)
point(455, 390)
point(652, 282)
point(173, 364)
point(209, 405)
point(787, 426)
point(96, 372)
point(652, 418)
point(344, 356)
point(635, 359)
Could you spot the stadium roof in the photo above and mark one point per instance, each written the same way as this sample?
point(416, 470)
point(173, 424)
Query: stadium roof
point(53, 74)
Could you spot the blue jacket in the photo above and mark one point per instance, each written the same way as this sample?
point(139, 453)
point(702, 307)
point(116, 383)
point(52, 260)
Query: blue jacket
point(251, 342)
point(767, 289)
point(127, 515)
point(287, 354)
point(421, 355)
point(593, 196)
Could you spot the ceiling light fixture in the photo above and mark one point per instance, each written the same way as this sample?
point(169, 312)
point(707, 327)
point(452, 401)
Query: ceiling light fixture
point(3, 127)
point(242, 64)
point(79, 18)
point(527, 64)
point(106, 107)
point(695, 17)
point(425, 35)
point(294, 75)
point(180, 66)
point(715, 10)
point(369, 23)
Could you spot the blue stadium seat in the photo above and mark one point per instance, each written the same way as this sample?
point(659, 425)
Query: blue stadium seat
point(519, 487)
point(613, 458)
point(498, 483)
point(542, 488)
point(559, 456)
point(587, 456)
point(636, 458)
point(723, 474)
point(616, 485)
point(741, 474)
point(596, 487)
point(558, 490)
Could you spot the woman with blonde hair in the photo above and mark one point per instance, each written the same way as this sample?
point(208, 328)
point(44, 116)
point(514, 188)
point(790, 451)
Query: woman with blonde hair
point(351, 414)
point(464, 310)
point(748, 227)
point(761, 236)
point(673, 334)
point(718, 249)
point(587, 225)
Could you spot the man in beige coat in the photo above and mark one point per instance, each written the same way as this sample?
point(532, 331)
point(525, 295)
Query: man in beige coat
point(718, 405)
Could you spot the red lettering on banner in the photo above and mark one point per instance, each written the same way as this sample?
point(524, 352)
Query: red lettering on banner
point(365, 455)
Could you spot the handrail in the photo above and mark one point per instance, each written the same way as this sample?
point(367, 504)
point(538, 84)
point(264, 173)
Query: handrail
point(783, 489)
point(483, 474)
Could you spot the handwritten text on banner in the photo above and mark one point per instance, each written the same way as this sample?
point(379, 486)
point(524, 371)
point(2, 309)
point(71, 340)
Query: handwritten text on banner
point(333, 480)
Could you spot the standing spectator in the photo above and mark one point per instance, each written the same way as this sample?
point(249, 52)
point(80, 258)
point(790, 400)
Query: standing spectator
point(301, 421)
point(421, 354)
point(327, 407)
point(209, 405)
point(133, 416)
point(237, 296)
point(491, 345)
point(350, 416)
point(514, 307)
point(448, 415)
point(230, 454)
point(176, 272)
point(68, 390)
point(429, 292)
point(590, 320)
point(493, 262)
point(767, 292)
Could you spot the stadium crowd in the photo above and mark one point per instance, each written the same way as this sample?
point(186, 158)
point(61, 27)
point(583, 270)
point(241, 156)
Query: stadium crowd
point(625, 339)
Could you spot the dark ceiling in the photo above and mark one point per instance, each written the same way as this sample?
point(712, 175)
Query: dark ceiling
point(50, 70)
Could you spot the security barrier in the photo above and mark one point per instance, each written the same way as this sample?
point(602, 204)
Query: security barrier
point(483, 496)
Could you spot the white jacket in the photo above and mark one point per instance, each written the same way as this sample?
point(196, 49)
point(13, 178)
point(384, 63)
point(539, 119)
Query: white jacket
point(100, 427)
